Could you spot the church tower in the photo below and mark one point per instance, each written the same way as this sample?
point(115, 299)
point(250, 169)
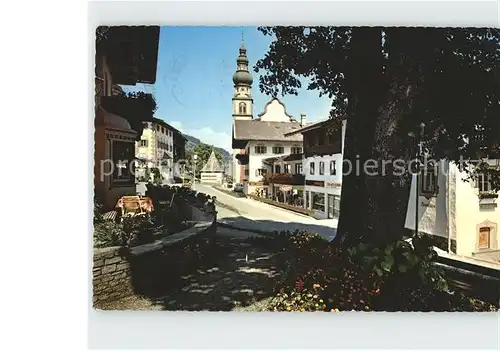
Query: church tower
point(242, 79)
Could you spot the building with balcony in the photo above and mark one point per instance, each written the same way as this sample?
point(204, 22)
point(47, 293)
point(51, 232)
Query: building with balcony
point(285, 180)
point(466, 213)
point(125, 55)
point(322, 166)
point(256, 139)
point(160, 146)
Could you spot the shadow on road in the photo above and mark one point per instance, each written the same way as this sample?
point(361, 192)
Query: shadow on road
point(269, 226)
point(243, 275)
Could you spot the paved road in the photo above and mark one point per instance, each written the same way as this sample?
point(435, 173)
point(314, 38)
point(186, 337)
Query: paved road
point(243, 277)
point(256, 215)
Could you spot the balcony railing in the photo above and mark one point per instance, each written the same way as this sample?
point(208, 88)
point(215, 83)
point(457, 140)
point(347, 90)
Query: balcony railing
point(284, 178)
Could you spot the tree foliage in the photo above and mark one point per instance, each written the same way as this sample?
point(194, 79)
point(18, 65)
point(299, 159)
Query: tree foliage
point(203, 152)
point(136, 107)
point(386, 81)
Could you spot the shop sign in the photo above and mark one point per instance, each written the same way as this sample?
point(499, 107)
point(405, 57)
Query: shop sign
point(333, 185)
point(318, 183)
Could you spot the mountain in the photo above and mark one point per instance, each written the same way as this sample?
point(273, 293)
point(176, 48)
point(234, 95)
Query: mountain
point(192, 142)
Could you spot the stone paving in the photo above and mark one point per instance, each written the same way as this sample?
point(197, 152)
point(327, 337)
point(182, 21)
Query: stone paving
point(242, 277)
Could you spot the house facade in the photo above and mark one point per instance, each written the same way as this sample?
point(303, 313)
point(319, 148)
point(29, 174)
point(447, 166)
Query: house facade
point(464, 212)
point(158, 148)
point(263, 138)
point(124, 56)
point(285, 179)
point(322, 166)
point(254, 140)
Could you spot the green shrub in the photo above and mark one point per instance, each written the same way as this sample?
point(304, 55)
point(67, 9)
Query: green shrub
point(108, 233)
point(398, 276)
point(98, 212)
point(401, 261)
point(132, 231)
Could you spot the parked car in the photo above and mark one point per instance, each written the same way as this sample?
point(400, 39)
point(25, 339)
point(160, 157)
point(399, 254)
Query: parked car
point(238, 188)
point(229, 185)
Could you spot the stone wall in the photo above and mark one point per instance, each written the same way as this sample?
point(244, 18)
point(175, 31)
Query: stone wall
point(111, 275)
point(151, 269)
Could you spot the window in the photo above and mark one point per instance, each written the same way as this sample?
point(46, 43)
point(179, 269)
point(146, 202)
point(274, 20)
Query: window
point(296, 150)
point(429, 180)
point(318, 201)
point(298, 168)
point(242, 108)
point(333, 206)
point(483, 182)
point(333, 170)
point(260, 149)
point(311, 168)
point(321, 168)
point(144, 143)
point(278, 150)
point(163, 130)
point(260, 172)
point(123, 155)
point(157, 128)
point(287, 168)
point(484, 238)
point(277, 168)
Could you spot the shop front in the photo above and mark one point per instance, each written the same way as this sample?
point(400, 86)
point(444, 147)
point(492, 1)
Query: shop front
point(323, 198)
point(288, 194)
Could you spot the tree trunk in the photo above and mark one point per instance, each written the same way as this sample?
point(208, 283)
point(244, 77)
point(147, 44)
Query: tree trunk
point(388, 191)
point(373, 206)
point(364, 85)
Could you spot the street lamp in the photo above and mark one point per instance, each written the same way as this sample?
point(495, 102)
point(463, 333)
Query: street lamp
point(195, 157)
point(418, 153)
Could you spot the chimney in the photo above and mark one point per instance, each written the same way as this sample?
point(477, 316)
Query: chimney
point(302, 119)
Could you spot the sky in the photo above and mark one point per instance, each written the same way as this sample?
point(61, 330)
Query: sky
point(194, 87)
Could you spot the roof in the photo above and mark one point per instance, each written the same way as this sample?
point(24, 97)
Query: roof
point(265, 131)
point(166, 125)
point(308, 127)
point(212, 164)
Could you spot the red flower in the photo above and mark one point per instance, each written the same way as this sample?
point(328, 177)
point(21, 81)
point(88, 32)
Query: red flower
point(299, 285)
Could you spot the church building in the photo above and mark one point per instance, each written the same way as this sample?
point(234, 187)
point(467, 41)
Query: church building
point(254, 140)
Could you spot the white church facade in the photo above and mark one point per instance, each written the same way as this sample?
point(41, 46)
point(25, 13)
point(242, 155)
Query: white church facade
point(255, 140)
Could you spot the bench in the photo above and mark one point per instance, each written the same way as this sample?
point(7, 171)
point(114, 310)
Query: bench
point(132, 205)
point(110, 216)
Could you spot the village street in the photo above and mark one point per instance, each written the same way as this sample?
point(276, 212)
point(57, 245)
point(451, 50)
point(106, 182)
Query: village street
point(254, 215)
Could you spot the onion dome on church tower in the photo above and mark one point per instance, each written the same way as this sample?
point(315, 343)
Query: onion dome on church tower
point(242, 76)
